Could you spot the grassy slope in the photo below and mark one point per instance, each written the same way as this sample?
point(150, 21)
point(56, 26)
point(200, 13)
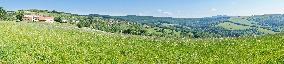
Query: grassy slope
point(242, 21)
point(44, 43)
point(232, 26)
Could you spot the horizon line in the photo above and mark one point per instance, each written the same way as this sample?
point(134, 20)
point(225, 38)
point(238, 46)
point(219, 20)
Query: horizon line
point(152, 15)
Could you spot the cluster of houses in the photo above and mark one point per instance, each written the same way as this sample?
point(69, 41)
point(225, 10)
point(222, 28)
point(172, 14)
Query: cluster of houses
point(38, 18)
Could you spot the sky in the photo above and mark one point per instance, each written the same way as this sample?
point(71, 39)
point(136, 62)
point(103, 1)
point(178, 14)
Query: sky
point(158, 8)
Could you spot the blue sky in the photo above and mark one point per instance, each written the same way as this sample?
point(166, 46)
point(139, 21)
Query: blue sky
point(169, 8)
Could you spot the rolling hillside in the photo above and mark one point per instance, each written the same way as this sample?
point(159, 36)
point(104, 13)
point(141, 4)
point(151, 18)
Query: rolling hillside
point(224, 26)
point(64, 43)
point(241, 23)
point(208, 27)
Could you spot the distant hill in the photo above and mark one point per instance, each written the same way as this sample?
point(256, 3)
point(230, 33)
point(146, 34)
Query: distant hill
point(208, 27)
point(228, 26)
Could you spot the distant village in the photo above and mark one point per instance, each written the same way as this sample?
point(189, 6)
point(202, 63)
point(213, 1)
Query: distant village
point(43, 16)
point(38, 18)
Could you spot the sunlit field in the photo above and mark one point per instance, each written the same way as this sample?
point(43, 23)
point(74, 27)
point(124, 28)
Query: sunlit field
point(53, 43)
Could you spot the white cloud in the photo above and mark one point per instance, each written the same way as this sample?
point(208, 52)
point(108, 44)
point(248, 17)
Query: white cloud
point(214, 9)
point(168, 13)
point(164, 12)
point(159, 10)
point(140, 14)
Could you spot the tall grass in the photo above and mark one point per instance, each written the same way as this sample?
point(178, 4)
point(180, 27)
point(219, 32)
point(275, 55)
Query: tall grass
point(54, 43)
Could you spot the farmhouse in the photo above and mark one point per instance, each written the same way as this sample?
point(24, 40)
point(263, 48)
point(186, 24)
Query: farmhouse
point(38, 18)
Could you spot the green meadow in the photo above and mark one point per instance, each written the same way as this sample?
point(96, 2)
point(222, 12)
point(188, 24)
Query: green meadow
point(41, 43)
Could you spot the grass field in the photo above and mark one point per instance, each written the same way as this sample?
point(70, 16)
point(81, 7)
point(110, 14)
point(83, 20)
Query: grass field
point(52, 43)
point(232, 26)
point(266, 31)
point(246, 25)
point(242, 21)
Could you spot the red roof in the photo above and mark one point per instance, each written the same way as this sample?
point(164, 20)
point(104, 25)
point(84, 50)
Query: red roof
point(44, 18)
